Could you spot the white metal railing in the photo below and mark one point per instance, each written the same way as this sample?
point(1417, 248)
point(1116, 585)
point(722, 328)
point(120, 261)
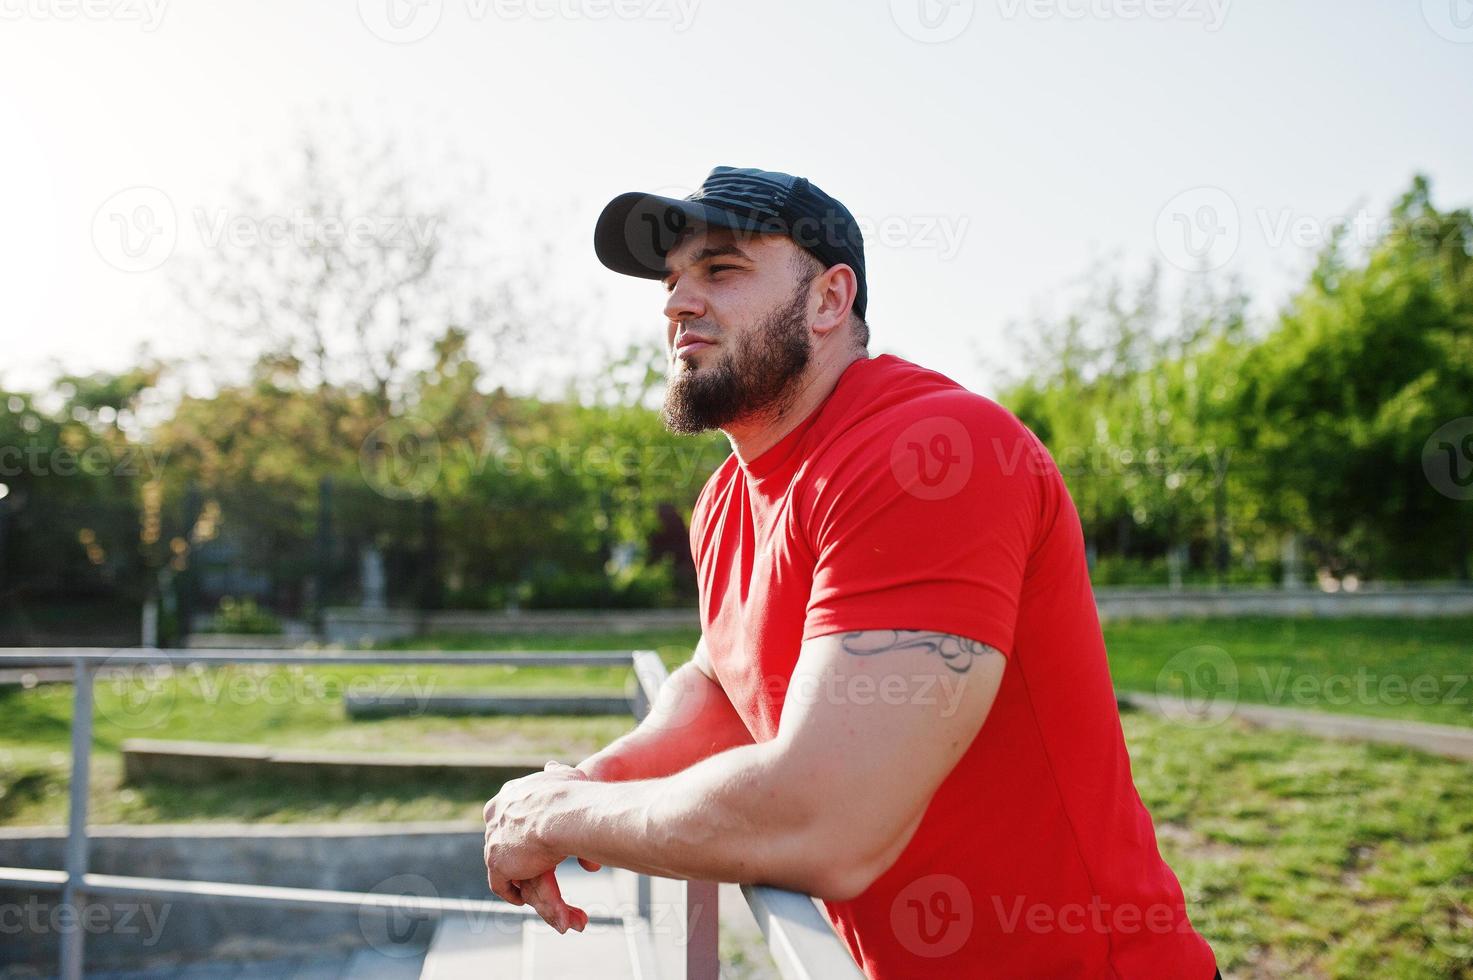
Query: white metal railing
point(802, 943)
point(799, 937)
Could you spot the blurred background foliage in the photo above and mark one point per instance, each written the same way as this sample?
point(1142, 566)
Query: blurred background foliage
point(373, 444)
point(1182, 430)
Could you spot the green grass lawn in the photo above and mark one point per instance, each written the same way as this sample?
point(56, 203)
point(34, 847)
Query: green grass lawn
point(1300, 857)
point(1391, 668)
point(1418, 669)
point(1303, 857)
point(302, 707)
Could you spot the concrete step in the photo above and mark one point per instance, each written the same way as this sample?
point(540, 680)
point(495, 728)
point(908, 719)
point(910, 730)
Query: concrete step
point(484, 948)
point(362, 964)
point(596, 953)
point(582, 703)
point(465, 949)
point(197, 763)
point(479, 948)
point(370, 964)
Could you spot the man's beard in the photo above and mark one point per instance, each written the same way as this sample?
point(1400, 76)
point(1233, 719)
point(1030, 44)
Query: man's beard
point(758, 377)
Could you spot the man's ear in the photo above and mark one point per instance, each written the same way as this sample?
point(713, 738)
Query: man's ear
point(837, 287)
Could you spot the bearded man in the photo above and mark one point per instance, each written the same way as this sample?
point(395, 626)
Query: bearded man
point(900, 703)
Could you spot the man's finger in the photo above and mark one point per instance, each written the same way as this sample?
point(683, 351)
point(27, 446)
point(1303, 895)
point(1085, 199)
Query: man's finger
point(547, 898)
point(589, 865)
point(550, 911)
point(573, 917)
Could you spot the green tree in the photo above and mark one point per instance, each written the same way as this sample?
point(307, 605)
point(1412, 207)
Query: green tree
point(1368, 360)
point(1135, 397)
point(70, 485)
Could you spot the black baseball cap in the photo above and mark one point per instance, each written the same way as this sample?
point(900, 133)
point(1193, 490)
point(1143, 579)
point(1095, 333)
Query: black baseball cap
point(636, 231)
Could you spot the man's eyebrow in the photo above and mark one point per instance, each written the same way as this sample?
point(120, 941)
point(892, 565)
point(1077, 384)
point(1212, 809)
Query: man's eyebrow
point(712, 251)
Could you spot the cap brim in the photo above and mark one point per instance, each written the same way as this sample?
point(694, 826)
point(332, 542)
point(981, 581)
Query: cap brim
point(636, 230)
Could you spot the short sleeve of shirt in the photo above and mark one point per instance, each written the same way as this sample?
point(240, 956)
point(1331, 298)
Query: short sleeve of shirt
point(924, 519)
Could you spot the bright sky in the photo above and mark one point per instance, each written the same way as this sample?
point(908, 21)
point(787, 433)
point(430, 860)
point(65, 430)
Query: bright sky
point(995, 148)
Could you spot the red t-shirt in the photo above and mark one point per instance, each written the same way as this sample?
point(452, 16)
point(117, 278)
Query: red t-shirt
point(907, 502)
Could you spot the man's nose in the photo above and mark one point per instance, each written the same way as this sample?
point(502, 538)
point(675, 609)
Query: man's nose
point(684, 303)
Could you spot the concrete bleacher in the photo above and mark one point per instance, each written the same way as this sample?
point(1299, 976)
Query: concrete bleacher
point(474, 948)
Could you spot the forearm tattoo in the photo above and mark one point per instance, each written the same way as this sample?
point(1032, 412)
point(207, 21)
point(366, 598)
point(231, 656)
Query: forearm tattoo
point(957, 652)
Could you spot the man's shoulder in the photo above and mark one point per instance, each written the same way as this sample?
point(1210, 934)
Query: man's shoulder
point(889, 388)
point(906, 407)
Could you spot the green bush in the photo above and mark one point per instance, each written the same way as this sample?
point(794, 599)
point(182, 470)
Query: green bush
point(244, 616)
point(1124, 570)
point(642, 587)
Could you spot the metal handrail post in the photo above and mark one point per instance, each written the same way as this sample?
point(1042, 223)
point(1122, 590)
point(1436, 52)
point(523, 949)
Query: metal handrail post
point(702, 922)
point(73, 936)
point(643, 897)
point(702, 931)
point(649, 674)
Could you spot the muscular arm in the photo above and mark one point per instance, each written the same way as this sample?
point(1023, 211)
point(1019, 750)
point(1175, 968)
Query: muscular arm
point(872, 724)
point(691, 719)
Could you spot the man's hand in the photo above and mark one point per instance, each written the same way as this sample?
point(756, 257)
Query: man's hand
point(519, 868)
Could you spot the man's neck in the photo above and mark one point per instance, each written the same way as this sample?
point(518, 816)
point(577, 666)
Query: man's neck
point(751, 439)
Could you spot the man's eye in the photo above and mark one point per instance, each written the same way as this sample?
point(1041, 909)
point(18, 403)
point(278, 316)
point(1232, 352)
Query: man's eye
point(721, 268)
